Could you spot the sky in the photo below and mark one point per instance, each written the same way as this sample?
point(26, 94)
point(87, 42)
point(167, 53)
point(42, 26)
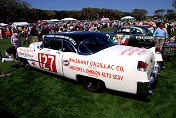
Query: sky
point(123, 5)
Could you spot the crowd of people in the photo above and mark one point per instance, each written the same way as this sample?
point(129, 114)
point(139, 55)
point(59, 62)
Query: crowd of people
point(39, 29)
point(161, 31)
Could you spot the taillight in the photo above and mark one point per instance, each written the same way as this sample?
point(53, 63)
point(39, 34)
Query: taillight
point(142, 66)
point(157, 50)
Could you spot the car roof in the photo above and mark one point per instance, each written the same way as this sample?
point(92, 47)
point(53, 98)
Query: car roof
point(133, 26)
point(76, 37)
point(142, 28)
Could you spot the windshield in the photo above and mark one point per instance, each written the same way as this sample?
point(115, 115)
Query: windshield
point(95, 44)
point(148, 31)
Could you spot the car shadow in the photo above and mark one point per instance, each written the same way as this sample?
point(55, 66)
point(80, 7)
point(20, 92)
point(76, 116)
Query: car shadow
point(56, 76)
point(139, 97)
point(6, 114)
point(17, 66)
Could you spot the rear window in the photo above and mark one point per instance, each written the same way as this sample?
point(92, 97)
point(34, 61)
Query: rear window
point(54, 44)
point(95, 44)
point(123, 30)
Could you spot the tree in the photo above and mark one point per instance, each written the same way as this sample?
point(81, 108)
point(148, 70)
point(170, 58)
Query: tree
point(127, 14)
point(174, 3)
point(50, 13)
point(170, 14)
point(159, 12)
point(139, 14)
point(13, 10)
point(169, 11)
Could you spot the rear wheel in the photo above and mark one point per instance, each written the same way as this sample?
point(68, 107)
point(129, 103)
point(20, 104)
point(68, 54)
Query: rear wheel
point(93, 85)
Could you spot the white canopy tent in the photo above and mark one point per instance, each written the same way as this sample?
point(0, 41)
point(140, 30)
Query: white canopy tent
point(128, 18)
point(16, 24)
point(54, 20)
point(105, 19)
point(2, 24)
point(68, 19)
point(43, 21)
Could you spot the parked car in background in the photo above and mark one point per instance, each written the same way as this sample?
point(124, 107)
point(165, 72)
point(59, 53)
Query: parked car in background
point(137, 36)
point(150, 25)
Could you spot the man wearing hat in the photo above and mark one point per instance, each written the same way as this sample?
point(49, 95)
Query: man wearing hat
point(15, 40)
point(11, 52)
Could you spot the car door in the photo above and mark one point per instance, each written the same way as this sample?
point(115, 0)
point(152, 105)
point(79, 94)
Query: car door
point(50, 56)
point(69, 52)
point(134, 32)
point(122, 35)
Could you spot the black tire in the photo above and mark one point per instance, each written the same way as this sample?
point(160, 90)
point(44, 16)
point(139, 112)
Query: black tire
point(26, 64)
point(93, 85)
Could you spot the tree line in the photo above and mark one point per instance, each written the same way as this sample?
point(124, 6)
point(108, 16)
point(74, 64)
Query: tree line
point(18, 10)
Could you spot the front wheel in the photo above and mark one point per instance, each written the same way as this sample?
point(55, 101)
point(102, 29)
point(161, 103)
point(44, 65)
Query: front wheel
point(26, 64)
point(93, 85)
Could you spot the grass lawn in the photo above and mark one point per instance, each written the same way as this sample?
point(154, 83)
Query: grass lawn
point(35, 94)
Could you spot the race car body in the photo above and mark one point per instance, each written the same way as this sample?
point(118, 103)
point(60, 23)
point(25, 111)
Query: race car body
point(93, 59)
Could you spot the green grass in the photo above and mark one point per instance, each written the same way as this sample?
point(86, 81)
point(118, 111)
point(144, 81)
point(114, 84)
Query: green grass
point(174, 33)
point(107, 30)
point(36, 94)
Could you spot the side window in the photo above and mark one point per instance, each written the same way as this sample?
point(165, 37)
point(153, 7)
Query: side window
point(125, 30)
point(119, 30)
point(55, 44)
point(135, 31)
point(67, 47)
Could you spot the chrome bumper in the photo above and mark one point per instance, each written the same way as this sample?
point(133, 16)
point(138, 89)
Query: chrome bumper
point(148, 87)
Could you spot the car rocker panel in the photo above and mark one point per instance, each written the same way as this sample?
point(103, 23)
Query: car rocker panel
point(120, 68)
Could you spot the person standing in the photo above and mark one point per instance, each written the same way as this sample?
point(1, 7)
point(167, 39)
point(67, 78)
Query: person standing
point(169, 29)
point(1, 33)
point(34, 33)
point(15, 40)
point(26, 36)
point(44, 31)
point(160, 36)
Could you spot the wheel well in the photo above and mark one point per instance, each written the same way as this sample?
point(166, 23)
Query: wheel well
point(79, 78)
point(25, 63)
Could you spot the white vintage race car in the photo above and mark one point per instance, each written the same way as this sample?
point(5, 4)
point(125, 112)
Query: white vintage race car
point(93, 59)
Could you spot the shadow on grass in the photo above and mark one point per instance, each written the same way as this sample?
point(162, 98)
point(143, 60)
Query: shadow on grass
point(139, 97)
point(6, 114)
point(17, 66)
point(56, 76)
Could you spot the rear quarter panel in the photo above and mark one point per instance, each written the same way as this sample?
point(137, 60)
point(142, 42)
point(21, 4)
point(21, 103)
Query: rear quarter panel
point(119, 74)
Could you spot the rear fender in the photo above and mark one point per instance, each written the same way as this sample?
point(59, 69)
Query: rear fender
point(158, 56)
